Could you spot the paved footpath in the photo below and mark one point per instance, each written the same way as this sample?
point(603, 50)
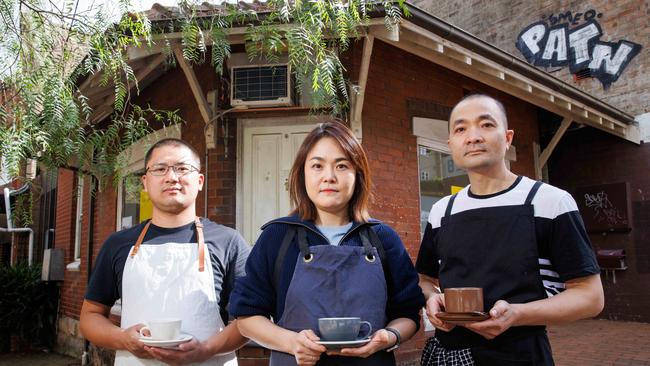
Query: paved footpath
point(601, 342)
point(37, 359)
point(583, 343)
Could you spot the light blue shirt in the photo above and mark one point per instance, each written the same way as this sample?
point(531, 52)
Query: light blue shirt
point(334, 234)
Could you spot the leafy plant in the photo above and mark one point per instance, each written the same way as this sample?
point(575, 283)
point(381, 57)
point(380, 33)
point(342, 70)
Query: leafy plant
point(46, 52)
point(28, 306)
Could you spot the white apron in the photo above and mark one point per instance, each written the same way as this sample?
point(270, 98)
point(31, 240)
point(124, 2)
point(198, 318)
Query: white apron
point(167, 281)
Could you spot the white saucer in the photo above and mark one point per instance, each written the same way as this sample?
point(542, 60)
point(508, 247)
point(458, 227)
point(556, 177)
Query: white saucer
point(344, 344)
point(170, 343)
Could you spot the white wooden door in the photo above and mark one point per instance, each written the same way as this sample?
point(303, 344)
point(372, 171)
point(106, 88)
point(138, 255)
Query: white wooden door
point(268, 153)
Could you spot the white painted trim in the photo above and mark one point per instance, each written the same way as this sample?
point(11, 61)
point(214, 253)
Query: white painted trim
point(644, 126)
point(431, 129)
point(74, 266)
point(192, 80)
point(356, 123)
point(434, 145)
point(79, 187)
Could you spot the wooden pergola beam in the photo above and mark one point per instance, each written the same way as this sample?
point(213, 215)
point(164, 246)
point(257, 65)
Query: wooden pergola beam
point(201, 101)
point(356, 123)
point(543, 157)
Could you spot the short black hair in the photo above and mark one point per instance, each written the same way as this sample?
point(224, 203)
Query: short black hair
point(172, 142)
point(476, 95)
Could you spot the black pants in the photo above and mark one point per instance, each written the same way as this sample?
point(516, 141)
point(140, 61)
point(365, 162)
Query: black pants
point(534, 350)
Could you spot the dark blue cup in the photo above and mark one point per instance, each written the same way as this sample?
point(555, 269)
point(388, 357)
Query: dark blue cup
point(342, 329)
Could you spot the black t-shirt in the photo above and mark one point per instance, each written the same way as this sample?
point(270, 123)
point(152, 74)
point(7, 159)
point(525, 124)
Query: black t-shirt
point(227, 249)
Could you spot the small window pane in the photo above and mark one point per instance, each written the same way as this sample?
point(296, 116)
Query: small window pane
point(131, 201)
point(439, 177)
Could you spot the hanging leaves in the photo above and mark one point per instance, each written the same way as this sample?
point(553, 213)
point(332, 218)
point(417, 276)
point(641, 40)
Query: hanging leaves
point(47, 52)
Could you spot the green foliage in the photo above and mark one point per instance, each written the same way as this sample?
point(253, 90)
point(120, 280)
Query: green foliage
point(47, 52)
point(28, 306)
point(22, 210)
point(314, 33)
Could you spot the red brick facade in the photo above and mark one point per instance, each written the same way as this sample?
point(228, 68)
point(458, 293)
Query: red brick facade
point(74, 283)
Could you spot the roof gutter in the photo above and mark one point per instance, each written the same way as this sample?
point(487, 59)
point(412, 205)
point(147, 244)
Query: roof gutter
point(467, 40)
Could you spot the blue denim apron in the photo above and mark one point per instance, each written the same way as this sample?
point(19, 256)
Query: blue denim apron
point(495, 248)
point(335, 281)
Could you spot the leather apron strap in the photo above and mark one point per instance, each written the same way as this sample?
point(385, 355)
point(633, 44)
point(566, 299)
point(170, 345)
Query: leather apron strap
point(136, 247)
point(199, 239)
point(201, 242)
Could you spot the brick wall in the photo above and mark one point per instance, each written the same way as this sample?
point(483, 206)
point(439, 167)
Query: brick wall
point(499, 22)
point(388, 138)
point(74, 281)
point(603, 159)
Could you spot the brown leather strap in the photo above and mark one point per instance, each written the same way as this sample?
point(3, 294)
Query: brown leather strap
point(140, 239)
point(199, 238)
point(201, 242)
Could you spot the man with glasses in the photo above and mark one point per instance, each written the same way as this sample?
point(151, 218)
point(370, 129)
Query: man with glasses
point(175, 266)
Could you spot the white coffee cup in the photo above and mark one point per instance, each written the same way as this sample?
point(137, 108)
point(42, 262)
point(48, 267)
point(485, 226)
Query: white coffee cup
point(163, 329)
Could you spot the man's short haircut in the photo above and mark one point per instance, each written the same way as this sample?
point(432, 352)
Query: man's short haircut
point(476, 95)
point(172, 142)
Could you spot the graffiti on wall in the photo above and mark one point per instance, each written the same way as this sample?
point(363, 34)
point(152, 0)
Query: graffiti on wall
point(605, 207)
point(573, 40)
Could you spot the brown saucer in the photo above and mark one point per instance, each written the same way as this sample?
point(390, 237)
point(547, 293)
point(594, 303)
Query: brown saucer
point(462, 318)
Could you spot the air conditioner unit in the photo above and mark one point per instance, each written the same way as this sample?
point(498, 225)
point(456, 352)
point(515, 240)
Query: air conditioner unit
point(259, 84)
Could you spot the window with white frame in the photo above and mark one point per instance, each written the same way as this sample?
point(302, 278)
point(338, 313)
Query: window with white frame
point(439, 177)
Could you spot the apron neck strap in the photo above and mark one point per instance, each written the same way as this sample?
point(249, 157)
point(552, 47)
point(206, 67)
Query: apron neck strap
point(449, 205)
point(532, 193)
point(199, 239)
point(365, 240)
point(302, 243)
point(201, 242)
point(140, 239)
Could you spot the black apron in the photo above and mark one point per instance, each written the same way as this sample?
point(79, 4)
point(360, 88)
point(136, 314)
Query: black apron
point(495, 248)
point(335, 281)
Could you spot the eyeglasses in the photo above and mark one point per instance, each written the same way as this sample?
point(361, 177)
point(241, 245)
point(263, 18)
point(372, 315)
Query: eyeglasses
point(179, 169)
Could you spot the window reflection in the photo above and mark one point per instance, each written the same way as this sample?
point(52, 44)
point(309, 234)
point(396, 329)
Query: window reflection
point(439, 177)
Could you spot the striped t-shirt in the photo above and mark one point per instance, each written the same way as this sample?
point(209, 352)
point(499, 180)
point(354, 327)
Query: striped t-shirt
point(565, 251)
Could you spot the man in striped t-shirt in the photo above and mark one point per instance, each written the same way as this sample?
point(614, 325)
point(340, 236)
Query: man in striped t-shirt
point(522, 241)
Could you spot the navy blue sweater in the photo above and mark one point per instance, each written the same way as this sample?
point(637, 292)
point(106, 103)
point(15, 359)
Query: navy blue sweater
point(255, 294)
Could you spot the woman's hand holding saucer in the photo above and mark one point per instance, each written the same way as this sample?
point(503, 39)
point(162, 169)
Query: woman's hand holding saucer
point(305, 349)
point(382, 339)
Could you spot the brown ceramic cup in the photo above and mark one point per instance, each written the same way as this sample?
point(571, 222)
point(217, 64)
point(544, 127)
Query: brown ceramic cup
point(463, 299)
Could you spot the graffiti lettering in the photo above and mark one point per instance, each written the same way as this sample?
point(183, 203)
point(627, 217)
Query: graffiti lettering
point(603, 209)
point(569, 17)
point(579, 48)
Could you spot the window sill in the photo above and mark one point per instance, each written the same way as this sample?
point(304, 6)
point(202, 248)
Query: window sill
point(74, 266)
